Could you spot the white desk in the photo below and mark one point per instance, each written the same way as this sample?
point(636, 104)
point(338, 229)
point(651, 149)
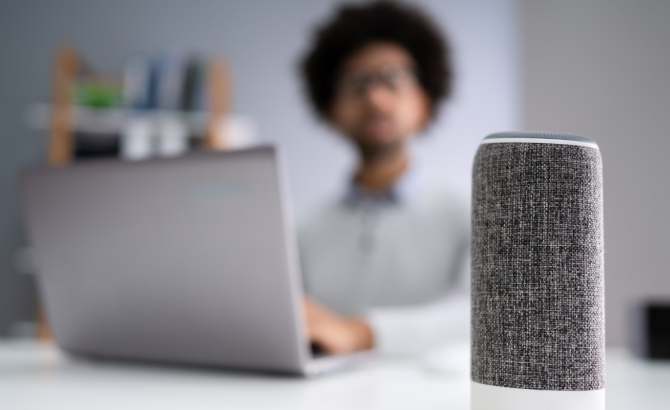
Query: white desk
point(33, 376)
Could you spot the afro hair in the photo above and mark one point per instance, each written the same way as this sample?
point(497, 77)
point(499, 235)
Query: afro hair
point(355, 26)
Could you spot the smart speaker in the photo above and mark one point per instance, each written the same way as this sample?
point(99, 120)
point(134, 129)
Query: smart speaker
point(538, 323)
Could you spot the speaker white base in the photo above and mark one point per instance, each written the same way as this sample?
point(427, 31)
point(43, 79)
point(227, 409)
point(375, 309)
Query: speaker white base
point(485, 397)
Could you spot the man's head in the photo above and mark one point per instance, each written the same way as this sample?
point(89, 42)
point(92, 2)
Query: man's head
point(377, 72)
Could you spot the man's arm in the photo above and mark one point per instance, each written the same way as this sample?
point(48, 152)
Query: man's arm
point(412, 329)
point(334, 333)
point(391, 330)
point(398, 329)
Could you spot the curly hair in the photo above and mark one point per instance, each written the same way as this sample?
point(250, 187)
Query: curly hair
point(355, 26)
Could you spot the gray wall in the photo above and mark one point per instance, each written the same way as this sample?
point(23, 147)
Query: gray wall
point(262, 39)
point(601, 68)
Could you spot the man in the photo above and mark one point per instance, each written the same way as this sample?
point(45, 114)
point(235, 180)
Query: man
point(385, 267)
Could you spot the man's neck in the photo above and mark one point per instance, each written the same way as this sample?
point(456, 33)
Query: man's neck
point(378, 172)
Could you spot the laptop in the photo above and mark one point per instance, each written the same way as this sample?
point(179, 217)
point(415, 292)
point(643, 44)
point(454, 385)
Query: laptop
point(189, 260)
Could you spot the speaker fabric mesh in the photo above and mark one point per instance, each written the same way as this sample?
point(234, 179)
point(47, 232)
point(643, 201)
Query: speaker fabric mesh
point(537, 267)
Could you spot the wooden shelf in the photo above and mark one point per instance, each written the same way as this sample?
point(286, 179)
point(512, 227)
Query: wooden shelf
point(64, 120)
point(112, 120)
point(60, 138)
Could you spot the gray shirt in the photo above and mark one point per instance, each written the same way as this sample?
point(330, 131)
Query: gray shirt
point(399, 258)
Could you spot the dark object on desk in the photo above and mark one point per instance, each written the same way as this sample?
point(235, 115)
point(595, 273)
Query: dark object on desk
point(538, 325)
point(650, 329)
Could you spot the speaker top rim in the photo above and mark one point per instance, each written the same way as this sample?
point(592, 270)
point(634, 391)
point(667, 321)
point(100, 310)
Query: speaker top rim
point(540, 137)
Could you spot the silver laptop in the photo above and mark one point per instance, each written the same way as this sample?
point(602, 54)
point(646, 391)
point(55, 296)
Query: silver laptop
point(188, 260)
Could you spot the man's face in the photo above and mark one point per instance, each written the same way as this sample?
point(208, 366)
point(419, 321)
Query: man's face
point(378, 101)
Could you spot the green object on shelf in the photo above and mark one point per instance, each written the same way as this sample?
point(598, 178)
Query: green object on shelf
point(98, 94)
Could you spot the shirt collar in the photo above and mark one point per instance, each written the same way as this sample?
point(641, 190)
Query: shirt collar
point(399, 192)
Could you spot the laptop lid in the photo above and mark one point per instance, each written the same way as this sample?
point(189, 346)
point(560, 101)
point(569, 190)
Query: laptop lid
point(189, 259)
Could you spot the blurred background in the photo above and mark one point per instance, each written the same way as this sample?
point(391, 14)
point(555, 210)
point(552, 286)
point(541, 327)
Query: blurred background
point(593, 67)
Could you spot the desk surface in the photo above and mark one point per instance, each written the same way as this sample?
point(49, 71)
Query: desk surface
point(34, 376)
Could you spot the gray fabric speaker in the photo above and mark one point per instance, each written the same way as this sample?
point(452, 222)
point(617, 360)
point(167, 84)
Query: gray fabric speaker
point(538, 326)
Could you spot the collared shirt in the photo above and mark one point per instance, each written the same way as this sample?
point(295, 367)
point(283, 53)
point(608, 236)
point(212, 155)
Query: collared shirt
point(400, 258)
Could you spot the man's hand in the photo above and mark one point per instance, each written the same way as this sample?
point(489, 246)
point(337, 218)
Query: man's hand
point(334, 333)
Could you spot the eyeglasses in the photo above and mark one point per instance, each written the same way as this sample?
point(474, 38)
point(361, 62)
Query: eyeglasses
point(393, 77)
